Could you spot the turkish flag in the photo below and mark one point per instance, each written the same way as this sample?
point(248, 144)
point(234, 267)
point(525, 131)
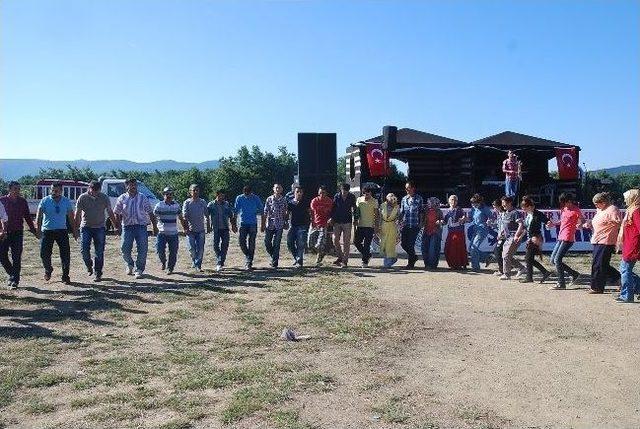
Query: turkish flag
point(377, 159)
point(567, 159)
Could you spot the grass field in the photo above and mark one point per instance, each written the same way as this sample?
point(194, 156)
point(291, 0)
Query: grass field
point(387, 349)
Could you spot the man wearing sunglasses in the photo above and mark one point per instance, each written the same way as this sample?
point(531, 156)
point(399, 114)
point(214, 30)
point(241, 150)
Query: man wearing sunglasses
point(55, 212)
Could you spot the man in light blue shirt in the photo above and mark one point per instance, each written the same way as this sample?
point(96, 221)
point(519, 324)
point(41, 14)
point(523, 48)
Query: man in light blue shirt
point(247, 207)
point(53, 212)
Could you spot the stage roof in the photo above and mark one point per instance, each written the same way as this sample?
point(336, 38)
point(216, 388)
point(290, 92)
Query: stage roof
point(509, 139)
point(410, 138)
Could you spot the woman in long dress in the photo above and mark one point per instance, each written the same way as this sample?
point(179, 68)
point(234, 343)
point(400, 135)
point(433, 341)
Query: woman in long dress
point(389, 211)
point(455, 247)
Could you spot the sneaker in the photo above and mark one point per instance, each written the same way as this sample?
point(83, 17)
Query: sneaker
point(558, 287)
point(66, 280)
point(497, 273)
point(12, 285)
point(170, 271)
point(574, 279)
point(519, 274)
point(337, 262)
point(618, 299)
point(218, 268)
point(90, 271)
point(199, 269)
point(130, 270)
point(545, 276)
point(248, 266)
point(505, 277)
point(97, 278)
point(163, 266)
point(343, 265)
point(138, 275)
point(297, 265)
point(47, 276)
point(365, 265)
point(526, 281)
point(595, 292)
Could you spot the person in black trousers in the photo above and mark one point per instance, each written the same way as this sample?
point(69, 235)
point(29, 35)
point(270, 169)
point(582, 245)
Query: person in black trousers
point(604, 226)
point(532, 227)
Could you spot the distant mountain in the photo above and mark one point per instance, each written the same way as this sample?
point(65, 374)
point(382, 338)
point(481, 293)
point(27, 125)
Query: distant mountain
point(12, 169)
point(628, 169)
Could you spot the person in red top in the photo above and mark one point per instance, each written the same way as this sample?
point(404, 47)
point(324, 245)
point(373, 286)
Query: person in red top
point(17, 211)
point(629, 242)
point(321, 207)
point(432, 234)
point(570, 219)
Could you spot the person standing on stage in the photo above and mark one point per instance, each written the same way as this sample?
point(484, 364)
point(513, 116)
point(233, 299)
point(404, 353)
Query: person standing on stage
point(342, 213)
point(54, 211)
point(247, 207)
point(91, 208)
point(274, 222)
point(17, 210)
point(321, 207)
point(220, 216)
point(412, 218)
point(570, 220)
point(511, 170)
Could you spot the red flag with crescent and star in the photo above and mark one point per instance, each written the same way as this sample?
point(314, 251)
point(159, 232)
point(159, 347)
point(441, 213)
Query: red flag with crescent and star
point(567, 159)
point(377, 159)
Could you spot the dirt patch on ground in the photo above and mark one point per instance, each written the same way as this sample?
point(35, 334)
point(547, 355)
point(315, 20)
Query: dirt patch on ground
point(388, 349)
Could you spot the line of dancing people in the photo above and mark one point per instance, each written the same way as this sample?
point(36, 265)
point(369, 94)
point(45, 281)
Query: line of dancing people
point(309, 224)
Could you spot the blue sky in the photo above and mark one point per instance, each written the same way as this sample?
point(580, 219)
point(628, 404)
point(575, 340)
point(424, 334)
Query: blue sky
point(193, 80)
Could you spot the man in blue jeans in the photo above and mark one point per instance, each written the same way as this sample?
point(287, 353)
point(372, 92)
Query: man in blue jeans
point(220, 215)
point(412, 218)
point(297, 236)
point(480, 214)
point(134, 212)
point(90, 221)
point(168, 212)
point(194, 212)
point(274, 221)
point(53, 213)
point(247, 207)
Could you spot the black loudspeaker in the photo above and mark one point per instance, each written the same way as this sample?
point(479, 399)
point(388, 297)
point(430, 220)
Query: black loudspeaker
point(389, 137)
point(317, 162)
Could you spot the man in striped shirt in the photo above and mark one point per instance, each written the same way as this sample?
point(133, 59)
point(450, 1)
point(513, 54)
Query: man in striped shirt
point(168, 212)
point(134, 212)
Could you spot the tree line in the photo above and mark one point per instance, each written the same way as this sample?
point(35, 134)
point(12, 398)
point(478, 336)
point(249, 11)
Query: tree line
point(260, 169)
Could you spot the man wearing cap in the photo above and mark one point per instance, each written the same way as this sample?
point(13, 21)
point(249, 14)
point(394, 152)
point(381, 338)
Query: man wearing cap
point(135, 212)
point(167, 212)
point(194, 211)
point(220, 215)
point(53, 213)
point(17, 210)
point(90, 220)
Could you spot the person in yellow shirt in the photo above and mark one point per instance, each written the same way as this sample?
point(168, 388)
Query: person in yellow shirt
point(367, 224)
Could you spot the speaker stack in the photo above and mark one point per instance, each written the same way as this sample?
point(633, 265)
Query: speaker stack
point(317, 162)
